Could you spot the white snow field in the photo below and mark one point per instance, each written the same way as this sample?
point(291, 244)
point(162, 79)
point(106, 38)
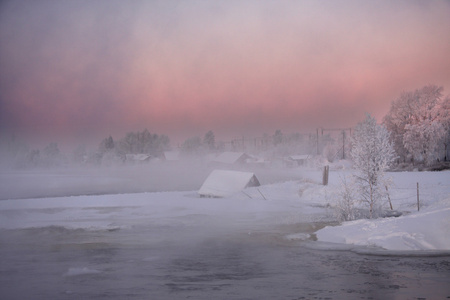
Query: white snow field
point(299, 201)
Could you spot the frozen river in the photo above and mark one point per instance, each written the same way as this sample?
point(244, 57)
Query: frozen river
point(204, 261)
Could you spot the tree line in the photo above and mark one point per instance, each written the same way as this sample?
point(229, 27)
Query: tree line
point(418, 123)
point(112, 151)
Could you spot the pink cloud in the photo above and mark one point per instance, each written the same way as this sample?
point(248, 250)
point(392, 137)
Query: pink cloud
point(232, 67)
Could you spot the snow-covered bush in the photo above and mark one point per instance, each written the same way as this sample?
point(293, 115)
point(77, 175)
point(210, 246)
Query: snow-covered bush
point(372, 154)
point(346, 206)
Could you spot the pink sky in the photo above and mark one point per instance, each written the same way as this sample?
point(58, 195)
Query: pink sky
point(77, 70)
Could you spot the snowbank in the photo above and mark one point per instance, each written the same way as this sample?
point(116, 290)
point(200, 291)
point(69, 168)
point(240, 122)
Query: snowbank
point(426, 230)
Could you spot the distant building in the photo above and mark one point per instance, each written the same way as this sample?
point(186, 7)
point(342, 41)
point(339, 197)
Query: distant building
point(230, 159)
point(138, 158)
point(171, 155)
point(297, 160)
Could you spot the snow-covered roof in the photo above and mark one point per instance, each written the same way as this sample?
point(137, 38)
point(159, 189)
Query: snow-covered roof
point(230, 157)
point(138, 157)
point(222, 183)
point(299, 157)
point(172, 155)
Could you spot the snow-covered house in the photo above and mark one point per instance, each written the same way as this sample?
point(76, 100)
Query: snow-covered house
point(171, 155)
point(138, 158)
point(230, 159)
point(222, 183)
point(299, 160)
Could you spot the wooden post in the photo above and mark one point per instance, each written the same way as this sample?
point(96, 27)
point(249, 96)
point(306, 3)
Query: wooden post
point(326, 171)
point(418, 205)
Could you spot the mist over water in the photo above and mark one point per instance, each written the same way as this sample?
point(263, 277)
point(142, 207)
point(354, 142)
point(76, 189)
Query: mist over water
point(152, 177)
point(204, 258)
point(79, 71)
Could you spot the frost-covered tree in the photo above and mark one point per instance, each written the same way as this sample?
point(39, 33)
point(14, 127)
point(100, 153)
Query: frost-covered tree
point(445, 117)
point(128, 144)
point(51, 156)
point(417, 121)
point(143, 142)
point(192, 146)
point(161, 143)
point(277, 137)
point(209, 140)
point(106, 145)
point(108, 153)
point(423, 140)
point(372, 154)
point(32, 159)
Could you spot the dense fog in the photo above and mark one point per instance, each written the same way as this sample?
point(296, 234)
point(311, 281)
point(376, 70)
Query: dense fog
point(145, 162)
point(150, 177)
point(121, 120)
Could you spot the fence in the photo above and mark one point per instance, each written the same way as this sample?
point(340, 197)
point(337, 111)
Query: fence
point(417, 193)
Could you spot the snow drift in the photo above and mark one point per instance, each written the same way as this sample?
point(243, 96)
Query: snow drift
point(427, 230)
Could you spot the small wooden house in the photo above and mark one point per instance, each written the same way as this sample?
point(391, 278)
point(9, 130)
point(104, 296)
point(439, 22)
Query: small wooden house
point(138, 158)
point(299, 160)
point(223, 183)
point(171, 155)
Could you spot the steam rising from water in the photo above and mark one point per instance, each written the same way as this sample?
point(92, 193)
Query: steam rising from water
point(153, 177)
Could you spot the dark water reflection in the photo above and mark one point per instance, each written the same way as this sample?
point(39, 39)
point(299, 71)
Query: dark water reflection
point(173, 262)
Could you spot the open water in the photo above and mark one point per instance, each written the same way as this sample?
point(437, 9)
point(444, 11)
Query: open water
point(204, 261)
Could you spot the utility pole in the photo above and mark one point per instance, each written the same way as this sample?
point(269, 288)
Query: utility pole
point(317, 141)
point(344, 135)
point(343, 144)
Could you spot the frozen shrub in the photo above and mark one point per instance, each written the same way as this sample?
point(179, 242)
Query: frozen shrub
point(346, 202)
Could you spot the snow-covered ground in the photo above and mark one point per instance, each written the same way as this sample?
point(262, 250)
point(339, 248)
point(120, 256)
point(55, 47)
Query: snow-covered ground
point(426, 229)
point(298, 201)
